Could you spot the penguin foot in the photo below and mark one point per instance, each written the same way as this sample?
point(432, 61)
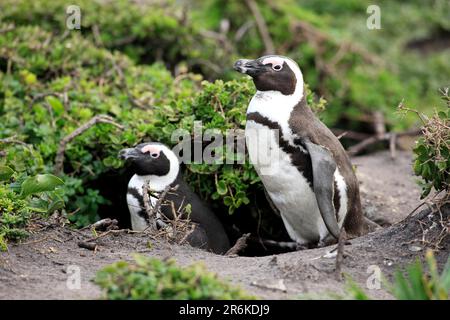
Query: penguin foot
point(301, 246)
point(328, 242)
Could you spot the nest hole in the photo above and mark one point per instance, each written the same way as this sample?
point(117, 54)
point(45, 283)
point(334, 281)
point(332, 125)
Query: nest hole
point(257, 218)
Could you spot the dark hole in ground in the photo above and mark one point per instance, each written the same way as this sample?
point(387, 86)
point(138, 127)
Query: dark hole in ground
point(256, 218)
point(3, 65)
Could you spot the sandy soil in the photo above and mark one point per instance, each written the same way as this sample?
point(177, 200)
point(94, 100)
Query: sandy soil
point(37, 268)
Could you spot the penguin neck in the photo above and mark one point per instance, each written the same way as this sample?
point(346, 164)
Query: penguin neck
point(277, 107)
point(155, 182)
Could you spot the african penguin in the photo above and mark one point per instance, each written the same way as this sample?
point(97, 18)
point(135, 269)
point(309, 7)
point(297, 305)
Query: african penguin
point(303, 166)
point(156, 164)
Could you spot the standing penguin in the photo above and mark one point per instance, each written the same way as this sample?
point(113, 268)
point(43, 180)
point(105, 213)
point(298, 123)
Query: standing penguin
point(155, 164)
point(303, 166)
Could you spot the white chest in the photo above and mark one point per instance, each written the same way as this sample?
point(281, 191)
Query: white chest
point(135, 206)
point(287, 187)
point(276, 108)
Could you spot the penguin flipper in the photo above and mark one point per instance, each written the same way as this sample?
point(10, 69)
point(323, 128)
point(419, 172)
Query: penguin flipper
point(198, 237)
point(272, 205)
point(323, 167)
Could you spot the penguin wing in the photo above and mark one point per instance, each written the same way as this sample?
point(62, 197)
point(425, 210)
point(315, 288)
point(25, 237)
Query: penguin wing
point(324, 166)
point(272, 205)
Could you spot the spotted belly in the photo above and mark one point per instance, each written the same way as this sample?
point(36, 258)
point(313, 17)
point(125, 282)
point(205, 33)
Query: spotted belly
point(284, 174)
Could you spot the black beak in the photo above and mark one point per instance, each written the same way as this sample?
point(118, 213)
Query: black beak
point(128, 154)
point(250, 67)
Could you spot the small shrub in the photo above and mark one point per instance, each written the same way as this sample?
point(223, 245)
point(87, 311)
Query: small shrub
point(414, 284)
point(146, 32)
point(417, 285)
point(53, 80)
point(23, 198)
point(432, 151)
point(153, 279)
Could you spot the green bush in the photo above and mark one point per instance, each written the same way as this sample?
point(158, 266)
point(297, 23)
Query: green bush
point(415, 283)
point(153, 279)
point(23, 196)
point(357, 70)
point(432, 151)
point(83, 81)
point(53, 80)
point(157, 31)
point(63, 83)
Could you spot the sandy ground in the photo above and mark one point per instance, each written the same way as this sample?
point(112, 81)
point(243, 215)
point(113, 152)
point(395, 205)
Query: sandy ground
point(38, 268)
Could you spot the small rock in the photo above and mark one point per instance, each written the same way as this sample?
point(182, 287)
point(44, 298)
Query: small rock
point(277, 284)
point(387, 262)
point(414, 248)
point(330, 254)
point(273, 261)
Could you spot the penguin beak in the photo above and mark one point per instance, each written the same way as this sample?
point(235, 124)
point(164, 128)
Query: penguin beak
point(250, 67)
point(128, 154)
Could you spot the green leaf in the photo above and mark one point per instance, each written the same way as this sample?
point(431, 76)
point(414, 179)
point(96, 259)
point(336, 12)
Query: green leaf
point(415, 280)
point(5, 173)
point(426, 190)
point(40, 183)
point(56, 105)
point(221, 188)
point(228, 201)
point(215, 196)
point(442, 165)
point(426, 170)
point(401, 289)
point(445, 278)
point(417, 167)
point(55, 205)
point(38, 205)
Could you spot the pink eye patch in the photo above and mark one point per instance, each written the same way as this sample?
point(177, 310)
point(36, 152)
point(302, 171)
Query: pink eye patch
point(273, 60)
point(152, 149)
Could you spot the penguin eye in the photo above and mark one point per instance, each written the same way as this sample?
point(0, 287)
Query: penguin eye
point(154, 155)
point(277, 67)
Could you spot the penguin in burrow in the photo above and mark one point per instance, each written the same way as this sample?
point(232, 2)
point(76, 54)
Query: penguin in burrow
point(157, 166)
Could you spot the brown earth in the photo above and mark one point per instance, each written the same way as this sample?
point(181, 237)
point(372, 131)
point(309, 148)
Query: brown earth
point(37, 268)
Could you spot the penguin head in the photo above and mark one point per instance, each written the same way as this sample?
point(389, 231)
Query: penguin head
point(273, 73)
point(151, 158)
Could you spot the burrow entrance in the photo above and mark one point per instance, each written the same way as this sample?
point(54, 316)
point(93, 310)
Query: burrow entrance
point(257, 218)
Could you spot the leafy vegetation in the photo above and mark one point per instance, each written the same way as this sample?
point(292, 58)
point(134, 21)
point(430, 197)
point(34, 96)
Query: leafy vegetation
point(153, 279)
point(432, 151)
point(21, 198)
point(143, 65)
point(147, 100)
point(415, 284)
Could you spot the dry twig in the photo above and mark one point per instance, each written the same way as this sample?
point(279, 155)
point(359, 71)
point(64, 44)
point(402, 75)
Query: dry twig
point(13, 140)
point(262, 26)
point(240, 245)
point(103, 224)
point(390, 136)
point(59, 160)
point(87, 245)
